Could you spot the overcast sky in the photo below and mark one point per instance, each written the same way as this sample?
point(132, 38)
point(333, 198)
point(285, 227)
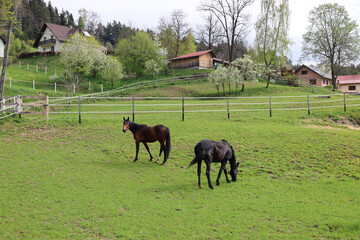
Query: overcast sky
point(145, 13)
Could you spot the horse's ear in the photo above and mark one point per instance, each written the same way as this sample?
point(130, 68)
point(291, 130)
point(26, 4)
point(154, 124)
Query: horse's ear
point(128, 119)
point(237, 165)
point(124, 118)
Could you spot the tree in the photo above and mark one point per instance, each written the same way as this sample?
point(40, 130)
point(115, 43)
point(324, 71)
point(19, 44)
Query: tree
point(81, 24)
point(232, 18)
point(219, 77)
point(248, 71)
point(91, 20)
point(272, 33)
point(79, 55)
point(8, 18)
point(210, 32)
point(113, 70)
point(332, 38)
point(175, 34)
point(136, 51)
point(152, 67)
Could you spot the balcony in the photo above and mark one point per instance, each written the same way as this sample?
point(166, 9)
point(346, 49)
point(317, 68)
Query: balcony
point(47, 43)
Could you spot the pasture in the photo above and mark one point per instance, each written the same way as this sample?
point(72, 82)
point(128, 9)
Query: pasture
point(298, 179)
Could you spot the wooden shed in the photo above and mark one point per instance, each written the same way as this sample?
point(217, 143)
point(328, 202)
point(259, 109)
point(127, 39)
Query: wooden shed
point(201, 60)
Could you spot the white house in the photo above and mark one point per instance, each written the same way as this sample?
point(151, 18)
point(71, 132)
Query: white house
point(51, 36)
point(2, 47)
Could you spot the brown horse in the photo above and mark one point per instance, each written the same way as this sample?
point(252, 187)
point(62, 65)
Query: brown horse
point(143, 133)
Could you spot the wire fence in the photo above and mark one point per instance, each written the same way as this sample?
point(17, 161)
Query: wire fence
point(93, 104)
point(184, 105)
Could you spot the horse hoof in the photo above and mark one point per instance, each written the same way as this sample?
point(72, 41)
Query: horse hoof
point(217, 184)
point(200, 186)
point(211, 187)
point(135, 160)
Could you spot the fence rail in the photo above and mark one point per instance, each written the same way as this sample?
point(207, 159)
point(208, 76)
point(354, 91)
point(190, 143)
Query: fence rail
point(148, 105)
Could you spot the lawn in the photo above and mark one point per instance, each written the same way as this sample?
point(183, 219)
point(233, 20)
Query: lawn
point(299, 179)
point(299, 173)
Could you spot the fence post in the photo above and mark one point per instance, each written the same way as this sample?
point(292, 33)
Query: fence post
point(183, 109)
point(47, 108)
point(308, 100)
point(10, 81)
point(19, 101)
point(133, 109)
point(27, 67)
point(270, 107)
point(89, 85)
point(344, 102)
point(102, 89)
point(74, 88)
point(228, 108)
point(33, 84)
point(55, 86)
point(79, 110)
point(37, 68)
point(45, 70)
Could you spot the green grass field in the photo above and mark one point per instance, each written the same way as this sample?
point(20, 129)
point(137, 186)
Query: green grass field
point(299, 179)
point(299, 174)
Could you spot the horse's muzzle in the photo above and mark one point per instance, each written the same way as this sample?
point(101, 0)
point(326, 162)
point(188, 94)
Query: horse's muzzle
point(124, 130)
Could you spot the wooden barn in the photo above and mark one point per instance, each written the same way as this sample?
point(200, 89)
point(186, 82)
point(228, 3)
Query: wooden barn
point(200, 60)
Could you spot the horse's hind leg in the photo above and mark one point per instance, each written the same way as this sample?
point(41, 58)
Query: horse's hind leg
point(223, 163)
point(199, 173)
point(162, 148)
point(147, 148)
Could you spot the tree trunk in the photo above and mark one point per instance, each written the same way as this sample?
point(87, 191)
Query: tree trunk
point(268, 81)
point(3, 72)
point(223, 85)
point(243, 86)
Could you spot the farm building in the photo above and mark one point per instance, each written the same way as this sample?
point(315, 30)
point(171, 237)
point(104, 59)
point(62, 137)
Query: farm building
point(2, 47)
point(201, 60)
point(349, 83)
point(51, 36)
point(313, 76)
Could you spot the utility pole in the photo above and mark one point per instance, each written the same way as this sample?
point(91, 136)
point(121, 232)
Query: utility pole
point(3, 72)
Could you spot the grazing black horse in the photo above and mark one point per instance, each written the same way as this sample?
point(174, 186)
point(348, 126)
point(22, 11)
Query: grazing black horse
point(143, 133)
point(212, 151)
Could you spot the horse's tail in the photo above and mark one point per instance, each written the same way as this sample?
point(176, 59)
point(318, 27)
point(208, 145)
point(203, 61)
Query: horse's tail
point(197, 159)
point(168, 144)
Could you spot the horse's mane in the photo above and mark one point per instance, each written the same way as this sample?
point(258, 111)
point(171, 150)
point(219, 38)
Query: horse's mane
point(134, 126)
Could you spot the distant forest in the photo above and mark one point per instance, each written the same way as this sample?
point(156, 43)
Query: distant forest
point(33, 13)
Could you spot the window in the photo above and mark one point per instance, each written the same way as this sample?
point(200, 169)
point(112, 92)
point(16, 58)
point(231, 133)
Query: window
point(313, 81)
point(52, 36)
point(303, 72)
point(352, 88)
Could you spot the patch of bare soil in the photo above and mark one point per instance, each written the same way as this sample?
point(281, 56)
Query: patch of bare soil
point(332, 124)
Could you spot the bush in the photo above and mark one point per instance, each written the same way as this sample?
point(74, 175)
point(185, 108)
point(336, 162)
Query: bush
point(24, 55)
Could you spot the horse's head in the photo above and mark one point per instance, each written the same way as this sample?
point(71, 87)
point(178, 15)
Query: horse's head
point(234, 166)
point(126, 124)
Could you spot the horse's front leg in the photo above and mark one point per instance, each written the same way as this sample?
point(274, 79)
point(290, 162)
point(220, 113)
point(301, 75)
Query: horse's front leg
point(223, 163)
point(137, 151)
point(147, 148)
point(225, 172)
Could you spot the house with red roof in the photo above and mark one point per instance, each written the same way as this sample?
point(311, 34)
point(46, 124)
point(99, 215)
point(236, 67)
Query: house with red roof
point(348, 83)
point(313, 76)
point(51, 36)
point(200, 60)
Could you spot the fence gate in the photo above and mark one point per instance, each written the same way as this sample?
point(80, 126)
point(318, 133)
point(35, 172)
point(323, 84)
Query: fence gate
point(16, 105)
